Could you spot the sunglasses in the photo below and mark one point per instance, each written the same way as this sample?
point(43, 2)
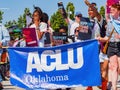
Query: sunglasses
point(79, 16)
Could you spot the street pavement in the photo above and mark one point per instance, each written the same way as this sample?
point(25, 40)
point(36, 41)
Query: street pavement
point(8, 86)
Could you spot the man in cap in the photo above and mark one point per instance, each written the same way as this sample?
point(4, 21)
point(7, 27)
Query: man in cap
point(99, 31)
point(75, 24)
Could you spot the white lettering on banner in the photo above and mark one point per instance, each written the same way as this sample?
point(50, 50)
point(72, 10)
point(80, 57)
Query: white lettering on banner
point(44, 65)
point(59, 65)
point(79, 63)
point(33, 57)
point(29, 79)
point(40, 64)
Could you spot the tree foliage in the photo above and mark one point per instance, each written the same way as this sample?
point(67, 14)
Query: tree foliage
point(1, 16)
point(21, 22)
point(70, 10)
point(102, 11)
point(57, 21)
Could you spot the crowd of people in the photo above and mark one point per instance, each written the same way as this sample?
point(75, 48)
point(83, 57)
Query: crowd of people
point(103, 29)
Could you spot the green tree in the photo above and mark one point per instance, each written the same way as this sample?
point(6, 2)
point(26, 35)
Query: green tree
point(21, 22)
point(26, 12)
point(102, 11)
point(70, 10)
point(11, 23)
point(1, 16)
point(14, 22)
point(22, 19)
point(57, 20)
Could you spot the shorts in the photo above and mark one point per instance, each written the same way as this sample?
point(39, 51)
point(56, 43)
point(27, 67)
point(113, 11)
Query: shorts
point(113, 49)
point(103, 57)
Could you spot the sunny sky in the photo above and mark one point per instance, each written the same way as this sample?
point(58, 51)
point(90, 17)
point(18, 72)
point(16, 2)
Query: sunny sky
point(14, 8)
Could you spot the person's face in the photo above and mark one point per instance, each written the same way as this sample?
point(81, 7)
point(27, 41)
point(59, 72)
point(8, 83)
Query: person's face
point(62, 30)
point(77, 18)
point(91, 13)
point(36, 16)
point(114, 12)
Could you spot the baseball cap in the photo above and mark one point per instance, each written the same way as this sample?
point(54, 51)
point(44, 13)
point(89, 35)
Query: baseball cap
point(78, 14)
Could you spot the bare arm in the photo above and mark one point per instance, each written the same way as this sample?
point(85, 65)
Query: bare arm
point(40, 34)
point(102, 39)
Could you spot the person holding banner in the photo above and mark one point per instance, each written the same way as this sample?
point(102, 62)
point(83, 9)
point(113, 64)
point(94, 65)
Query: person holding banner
point(99, 30)
point(40, 26)
point(114, 44)
point(4, 39)
point(63, 30)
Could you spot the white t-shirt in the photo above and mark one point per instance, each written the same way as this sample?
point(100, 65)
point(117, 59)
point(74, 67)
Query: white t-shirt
point(43, 28)
point(73, 27)
point(95, 31)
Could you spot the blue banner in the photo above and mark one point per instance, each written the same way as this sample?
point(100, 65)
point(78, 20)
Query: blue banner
point(69, 65)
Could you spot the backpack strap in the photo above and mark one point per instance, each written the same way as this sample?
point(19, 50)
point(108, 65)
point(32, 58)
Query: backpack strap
point(102, 28)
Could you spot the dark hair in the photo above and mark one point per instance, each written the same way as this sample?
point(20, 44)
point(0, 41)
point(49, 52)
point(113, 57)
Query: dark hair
point(63, 27)
point(37, 9)
point(93, 3)
point(45, 17)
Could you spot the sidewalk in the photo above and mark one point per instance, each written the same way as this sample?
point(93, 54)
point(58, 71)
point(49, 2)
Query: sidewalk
point(8, 86)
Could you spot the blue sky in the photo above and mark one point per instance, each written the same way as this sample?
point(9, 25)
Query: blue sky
point(15, 8)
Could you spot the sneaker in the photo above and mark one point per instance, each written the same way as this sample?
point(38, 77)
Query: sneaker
point(109, 86)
